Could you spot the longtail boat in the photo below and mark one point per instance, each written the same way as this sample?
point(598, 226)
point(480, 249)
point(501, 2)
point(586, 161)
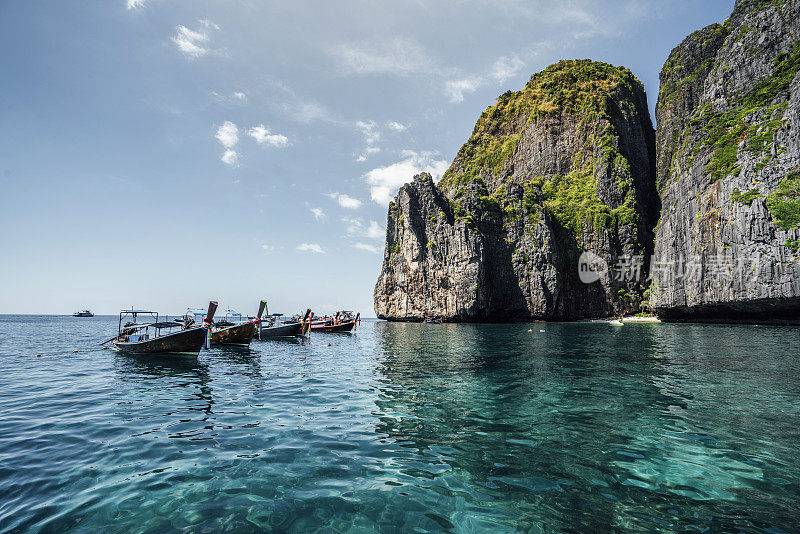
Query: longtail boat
point(274, 326)
point(342, 321)
point(238, 334)
point(230, 330)
point(147, 338)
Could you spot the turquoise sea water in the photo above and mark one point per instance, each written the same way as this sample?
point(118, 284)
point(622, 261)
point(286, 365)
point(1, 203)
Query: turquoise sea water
point(404, 427)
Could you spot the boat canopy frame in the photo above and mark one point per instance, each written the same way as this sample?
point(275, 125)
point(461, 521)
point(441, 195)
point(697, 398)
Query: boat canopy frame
point(155, 323)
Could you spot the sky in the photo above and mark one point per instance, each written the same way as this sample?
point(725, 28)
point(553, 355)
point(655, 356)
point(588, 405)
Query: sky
point(161, 154)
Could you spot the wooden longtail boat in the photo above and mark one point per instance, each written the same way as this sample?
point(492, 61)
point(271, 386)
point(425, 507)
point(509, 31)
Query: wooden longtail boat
point(341, 322)
point(136, 337)
point(274, 327)
point(230, 330)
point(238, 334)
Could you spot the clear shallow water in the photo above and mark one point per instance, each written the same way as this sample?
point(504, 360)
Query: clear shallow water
point(404, 427)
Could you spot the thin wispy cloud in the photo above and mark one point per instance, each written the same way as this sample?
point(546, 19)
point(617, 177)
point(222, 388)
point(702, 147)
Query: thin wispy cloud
point(385, 181)
point(503, 68)
point(399, 56)
point(506, 67)
point(267, 248)
point(313, 248)
point(208, 24)
point(318, 213)
point(133, 4)
point(263, 136)
point(366, 246)
point(356, 227)
point(372, 137)
point(345, 201)
point(375, 230)
point(396, 126)
point(194, 43)
point(307, 112)
point(455, 89)
point(237, 97)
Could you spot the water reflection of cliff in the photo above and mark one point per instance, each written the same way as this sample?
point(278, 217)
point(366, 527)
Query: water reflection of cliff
point(576, 416)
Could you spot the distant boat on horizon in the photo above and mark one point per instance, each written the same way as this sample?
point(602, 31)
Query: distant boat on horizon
point(83, 313)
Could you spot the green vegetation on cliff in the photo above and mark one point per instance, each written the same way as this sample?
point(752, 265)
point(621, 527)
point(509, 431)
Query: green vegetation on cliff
point(751, 118)
point(582, 87)
point(745, 198)
point(784, 202)
point(586, 89)
point(675, 78)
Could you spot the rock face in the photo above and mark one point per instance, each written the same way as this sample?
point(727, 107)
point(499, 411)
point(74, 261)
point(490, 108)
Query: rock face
point(564, 166)
point(729, 170)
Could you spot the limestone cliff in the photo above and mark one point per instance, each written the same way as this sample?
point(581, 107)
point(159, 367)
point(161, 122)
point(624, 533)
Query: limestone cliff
point(563, 166)
point(729, 169)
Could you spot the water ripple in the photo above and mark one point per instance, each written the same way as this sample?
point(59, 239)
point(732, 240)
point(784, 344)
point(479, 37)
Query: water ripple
point(404, 427)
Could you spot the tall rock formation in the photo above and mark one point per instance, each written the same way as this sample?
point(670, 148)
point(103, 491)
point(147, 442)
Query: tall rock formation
point(564, 166)
point(728, 169)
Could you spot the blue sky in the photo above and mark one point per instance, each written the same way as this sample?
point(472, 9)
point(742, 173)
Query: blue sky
point(159, 154)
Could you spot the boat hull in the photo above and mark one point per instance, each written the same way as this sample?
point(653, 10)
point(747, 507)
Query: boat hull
point(240, 334)
point(283, 330)
point(184, 342)
point(333, 328)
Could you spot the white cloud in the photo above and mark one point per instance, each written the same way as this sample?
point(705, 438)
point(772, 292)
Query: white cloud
point(228, 134)
point(237, 97)
point(397, 56)
point(367, 247)
point(133, 4)
point(370, 131)
point(455, 89)
point(268, 248)
point(375, 230)
point(230, 156)
point(301, 109)
point(264, 137)
point(190, 42)
point(308, 112)
point(385, 181)
point(345, 201)
point(208, 24)
point(361, 158)
point(506, 67)
point(355, 227)
point(318, 213)
point(396, 126)
point(310, 247)
point(372, 137)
